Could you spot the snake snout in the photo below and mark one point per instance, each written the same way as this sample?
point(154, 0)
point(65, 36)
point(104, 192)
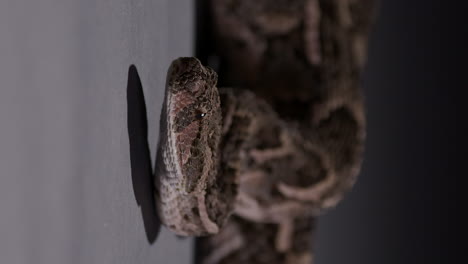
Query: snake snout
point(185, 65)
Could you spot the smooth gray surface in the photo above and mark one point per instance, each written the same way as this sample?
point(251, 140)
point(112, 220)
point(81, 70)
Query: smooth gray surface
point(65, 186)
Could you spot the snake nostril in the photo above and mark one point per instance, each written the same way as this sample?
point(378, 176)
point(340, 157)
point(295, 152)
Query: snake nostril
point(195, 211)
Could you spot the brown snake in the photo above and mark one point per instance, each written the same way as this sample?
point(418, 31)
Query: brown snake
point(250, 169)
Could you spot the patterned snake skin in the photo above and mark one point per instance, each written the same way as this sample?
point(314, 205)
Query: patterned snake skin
point(250, 169)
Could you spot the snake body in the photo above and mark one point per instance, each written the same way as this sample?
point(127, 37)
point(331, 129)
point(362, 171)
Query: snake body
point(250, 169)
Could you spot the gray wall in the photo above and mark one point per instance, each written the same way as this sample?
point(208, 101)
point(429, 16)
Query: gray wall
point(66, 192)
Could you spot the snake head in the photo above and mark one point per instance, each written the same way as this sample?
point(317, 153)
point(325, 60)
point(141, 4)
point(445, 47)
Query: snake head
point(194, 122)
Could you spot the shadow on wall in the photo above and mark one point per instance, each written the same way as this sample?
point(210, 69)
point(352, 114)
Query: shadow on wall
point(140, 158)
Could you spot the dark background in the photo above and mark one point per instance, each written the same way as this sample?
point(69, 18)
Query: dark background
point(399, 210)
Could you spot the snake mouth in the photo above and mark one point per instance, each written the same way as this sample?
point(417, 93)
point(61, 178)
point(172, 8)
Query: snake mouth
point(194, 117)
point(187, 86)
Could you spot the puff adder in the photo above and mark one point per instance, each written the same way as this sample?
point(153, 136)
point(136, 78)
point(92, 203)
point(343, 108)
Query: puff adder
point(250, 169)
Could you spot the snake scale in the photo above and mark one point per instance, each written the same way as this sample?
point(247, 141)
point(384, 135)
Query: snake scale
point(250, 169)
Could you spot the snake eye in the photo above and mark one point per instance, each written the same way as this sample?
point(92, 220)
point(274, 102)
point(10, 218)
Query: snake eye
point(200, 115)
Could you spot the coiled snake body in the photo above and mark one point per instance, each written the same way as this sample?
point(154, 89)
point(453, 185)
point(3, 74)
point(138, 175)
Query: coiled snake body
point(251, 169)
